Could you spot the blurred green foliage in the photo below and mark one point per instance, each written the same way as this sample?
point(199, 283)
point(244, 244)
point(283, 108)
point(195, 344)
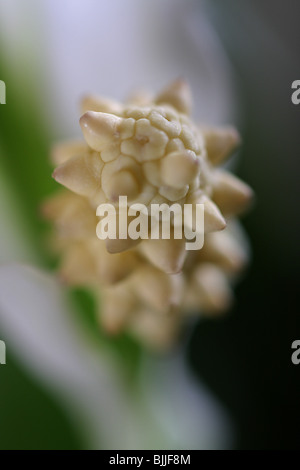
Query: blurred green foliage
point(30, 418)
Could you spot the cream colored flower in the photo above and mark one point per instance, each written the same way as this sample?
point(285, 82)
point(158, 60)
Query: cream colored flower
point(150, 151)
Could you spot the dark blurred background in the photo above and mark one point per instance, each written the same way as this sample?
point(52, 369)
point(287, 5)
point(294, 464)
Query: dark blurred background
point(245, 357)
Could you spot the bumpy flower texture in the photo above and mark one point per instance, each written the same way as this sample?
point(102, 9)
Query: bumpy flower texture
point(151, 151)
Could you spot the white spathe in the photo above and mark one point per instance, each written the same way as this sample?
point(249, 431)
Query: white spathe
point(171, 412)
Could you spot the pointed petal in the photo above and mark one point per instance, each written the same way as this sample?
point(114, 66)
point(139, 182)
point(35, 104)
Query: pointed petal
point(77, 267)
point(215, 293)
point(73, 215)
point(100, 105)
point(112, 268)
point(223, 249)
point(220, 143)
point(117, 305)
point(178, 95)
point(157, 331)
point(114, 242)
point(166, 255)
point(140, 98)
point(213, 219)
point(156, 289)
point(100, 129)
point(123, 183)
point(179, 168)
point(80, 174)
point(173, 194)
point(54, 207)
point(231, 194)
point(61, 152)
point(118, 246)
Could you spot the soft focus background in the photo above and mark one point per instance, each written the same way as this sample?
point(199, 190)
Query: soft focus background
point(231, 383)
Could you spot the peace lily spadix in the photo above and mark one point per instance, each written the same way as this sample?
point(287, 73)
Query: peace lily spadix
point(152, 152)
